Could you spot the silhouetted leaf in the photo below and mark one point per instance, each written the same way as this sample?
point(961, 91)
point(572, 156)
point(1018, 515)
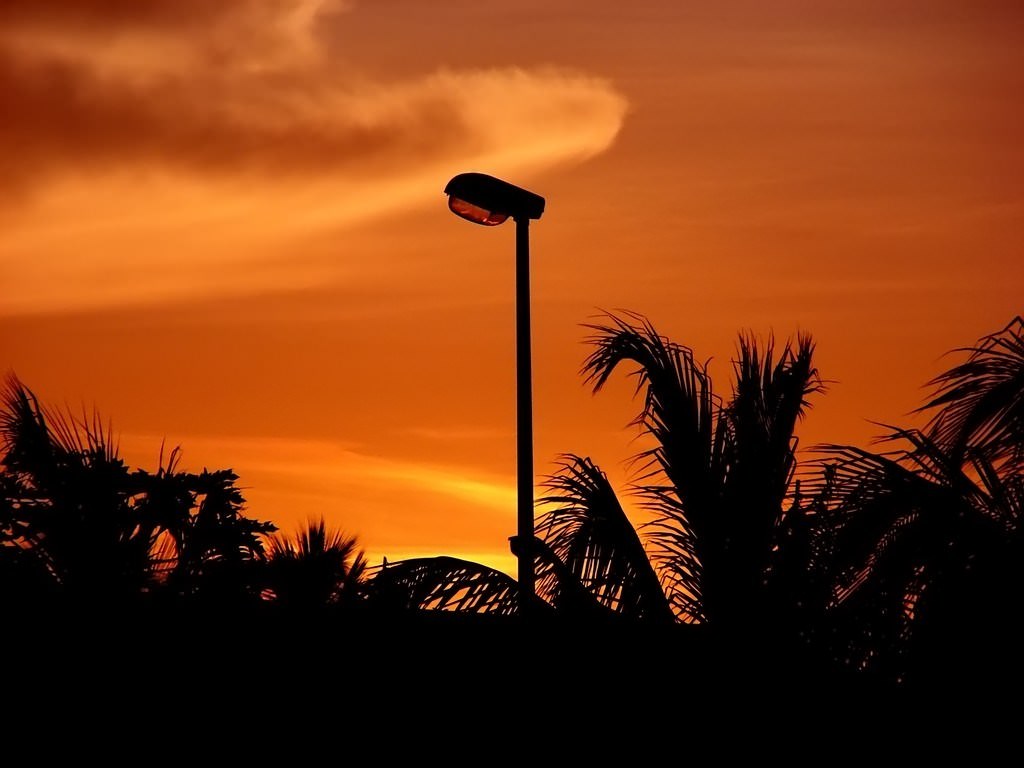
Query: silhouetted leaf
point(980, 403)
point(445, 584)
point(587, 530)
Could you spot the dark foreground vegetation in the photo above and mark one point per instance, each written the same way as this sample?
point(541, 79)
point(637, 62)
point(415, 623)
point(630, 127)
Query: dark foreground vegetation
point(861, 571)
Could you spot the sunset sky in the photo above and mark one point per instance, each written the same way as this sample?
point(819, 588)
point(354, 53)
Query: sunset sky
point(222, 224)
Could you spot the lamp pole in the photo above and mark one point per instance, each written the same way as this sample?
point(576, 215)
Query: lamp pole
point(486, 200)
point(524, 418)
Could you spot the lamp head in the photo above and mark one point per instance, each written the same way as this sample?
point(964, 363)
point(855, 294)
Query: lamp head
point(486, 200)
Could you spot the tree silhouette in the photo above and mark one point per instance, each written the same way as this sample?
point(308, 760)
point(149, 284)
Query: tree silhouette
point(720, 471)
point(923, 543)
point(77, 524)
point(315, 567)
point(902, 563)
point(216, 550)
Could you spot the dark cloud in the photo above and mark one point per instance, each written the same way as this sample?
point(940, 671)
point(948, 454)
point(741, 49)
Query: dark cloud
point(252, 93)
point(214, 87)
point(63, 116)
point(131, 14)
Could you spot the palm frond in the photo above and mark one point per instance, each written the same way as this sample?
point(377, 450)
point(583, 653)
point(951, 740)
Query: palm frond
point(999, 495)
point(769, 397)
point(314, 539)
point(24, 435)
point(679, 408)
point(894, 525)
point(865, 499)
point(980, 403)
point(586, 528)
point(674, 553)
point(444, 584)
point(682, 477)
point(34, 438)
point(559, 590)
point(315, 566)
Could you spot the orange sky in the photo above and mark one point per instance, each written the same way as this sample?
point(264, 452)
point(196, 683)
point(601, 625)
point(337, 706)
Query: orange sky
point(223, 224)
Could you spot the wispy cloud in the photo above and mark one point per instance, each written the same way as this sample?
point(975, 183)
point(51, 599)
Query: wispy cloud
point(99, 87)
point(131, 131)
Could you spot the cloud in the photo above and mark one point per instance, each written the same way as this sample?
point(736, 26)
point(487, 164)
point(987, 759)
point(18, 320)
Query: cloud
point(236, 32)
point(107, 14)
point(200, 193)
point(211, 139)
point(104, 86)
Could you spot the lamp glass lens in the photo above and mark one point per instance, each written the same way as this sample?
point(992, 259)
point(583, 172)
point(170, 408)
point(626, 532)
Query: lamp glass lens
point(475, 213)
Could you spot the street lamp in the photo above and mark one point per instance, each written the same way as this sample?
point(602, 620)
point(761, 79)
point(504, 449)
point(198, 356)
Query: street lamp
point(486, 200)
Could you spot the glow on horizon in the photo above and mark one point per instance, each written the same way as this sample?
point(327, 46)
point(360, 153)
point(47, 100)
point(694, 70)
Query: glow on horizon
point(311, 475)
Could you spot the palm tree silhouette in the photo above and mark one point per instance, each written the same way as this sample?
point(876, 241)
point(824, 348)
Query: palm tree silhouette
point(720, 471)
point(315, 567)
point(77, 524)
point(69, 514)
point(922, 543)
point(716, 482)
point(210, 549)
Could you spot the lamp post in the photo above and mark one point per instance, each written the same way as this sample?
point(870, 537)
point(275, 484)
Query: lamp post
point(486, 200)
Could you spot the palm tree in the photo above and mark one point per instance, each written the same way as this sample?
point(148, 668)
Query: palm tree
point(77, 523)
point(922, 543)
point(720, 472)
point(211, 549)
point(315, 567)
point(716, 482)
point(69, 514)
